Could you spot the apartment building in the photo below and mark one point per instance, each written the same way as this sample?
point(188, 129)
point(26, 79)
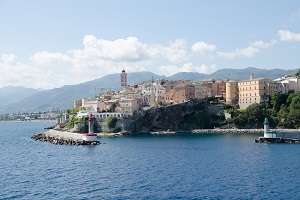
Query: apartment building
point(256, 90)
point(221, 87)
point(128, 106)
point(212, 87)
point(184, 92)
point(201, 91)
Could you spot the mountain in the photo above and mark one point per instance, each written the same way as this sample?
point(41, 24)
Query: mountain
point(13, 94)
point(244, 74)
point(64, 97)
point(193, 76)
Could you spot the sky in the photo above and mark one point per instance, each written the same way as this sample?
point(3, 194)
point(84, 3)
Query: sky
point(47, 44)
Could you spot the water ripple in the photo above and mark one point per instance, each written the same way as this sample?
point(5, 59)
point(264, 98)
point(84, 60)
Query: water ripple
point(147, 167)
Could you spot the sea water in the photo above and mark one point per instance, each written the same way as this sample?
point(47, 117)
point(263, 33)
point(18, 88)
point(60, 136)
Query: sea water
point(185, 166)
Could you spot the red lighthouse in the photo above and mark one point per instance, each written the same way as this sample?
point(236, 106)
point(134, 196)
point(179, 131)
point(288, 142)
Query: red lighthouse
point(90, 136)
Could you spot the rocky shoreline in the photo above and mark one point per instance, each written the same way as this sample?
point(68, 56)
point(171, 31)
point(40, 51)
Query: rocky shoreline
point(61, 140)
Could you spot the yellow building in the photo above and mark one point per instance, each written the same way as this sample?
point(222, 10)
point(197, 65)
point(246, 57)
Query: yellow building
point(256, 91)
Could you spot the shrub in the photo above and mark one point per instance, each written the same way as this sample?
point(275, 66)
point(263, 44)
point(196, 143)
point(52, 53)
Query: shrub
point(111, 121)
point(73, 121)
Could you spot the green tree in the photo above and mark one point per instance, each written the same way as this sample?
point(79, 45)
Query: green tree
point(254, 113)
point(283, 116)
point(277, 99)
point(111, 121)
point(293, 118)
point(295, 104)
point(290, 99)
point(240, 119)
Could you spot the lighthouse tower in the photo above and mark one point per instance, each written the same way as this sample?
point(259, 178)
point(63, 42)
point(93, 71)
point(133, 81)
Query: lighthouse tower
point(123, 79)
point(267, 132)
point(90, 136)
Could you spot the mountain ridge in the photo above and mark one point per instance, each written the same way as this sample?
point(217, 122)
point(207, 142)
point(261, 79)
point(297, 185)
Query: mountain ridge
point(64, 96)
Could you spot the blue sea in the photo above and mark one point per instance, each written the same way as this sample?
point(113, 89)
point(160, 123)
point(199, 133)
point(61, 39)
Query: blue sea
point(203, 166)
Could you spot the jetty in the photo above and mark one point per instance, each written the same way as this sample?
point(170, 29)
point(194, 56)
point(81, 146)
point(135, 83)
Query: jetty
point(275, 137)
point(63, 138)
point(68, 138)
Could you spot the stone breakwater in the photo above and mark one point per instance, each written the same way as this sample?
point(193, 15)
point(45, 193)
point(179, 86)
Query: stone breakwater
point(281, 132)
point(208, 131)
point(58, 140)
point(227, 131)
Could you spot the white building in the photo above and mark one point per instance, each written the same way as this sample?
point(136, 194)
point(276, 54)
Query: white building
point(289, 84)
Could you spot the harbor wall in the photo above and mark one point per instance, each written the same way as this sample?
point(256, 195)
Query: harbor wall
point(62, 138)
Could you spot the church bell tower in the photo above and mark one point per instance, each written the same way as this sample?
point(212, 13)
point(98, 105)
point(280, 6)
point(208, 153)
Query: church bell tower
point(123, 79)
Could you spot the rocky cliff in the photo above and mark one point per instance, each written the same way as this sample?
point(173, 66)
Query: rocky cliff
point(189, 115)
point(186, 116)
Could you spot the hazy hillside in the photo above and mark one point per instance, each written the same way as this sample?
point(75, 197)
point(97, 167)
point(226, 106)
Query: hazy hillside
point(64, 97)
point(244, 74)
point(194, 76)
point(13, 94)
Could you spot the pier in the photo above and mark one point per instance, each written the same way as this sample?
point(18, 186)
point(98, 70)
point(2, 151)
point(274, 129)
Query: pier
point(273, 136)
point(63, 138)
point(276, 140)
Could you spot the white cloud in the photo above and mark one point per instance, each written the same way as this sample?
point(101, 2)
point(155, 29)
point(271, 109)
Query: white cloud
point(288, 36)
point(8, 59)
point(175, 52)
point(100, 57)
point(45, 57)
point(188, 67)
point(13, 72)
point(250, 51)
point(97, 58)
point(129, 49)
point(202, 47)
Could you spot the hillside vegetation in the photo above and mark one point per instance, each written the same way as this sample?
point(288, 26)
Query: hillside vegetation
point(283, 111)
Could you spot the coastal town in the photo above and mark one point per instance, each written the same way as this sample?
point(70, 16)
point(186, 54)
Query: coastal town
point(157, 93)
point(167, 107)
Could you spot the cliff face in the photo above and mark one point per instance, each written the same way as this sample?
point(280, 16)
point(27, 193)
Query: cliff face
point(190, 115)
